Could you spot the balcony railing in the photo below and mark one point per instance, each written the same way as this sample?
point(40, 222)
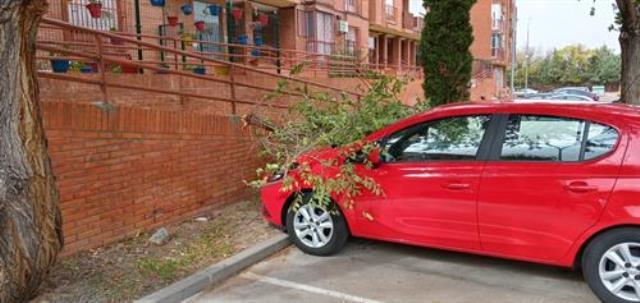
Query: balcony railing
point(391, 13)
point(411, 22)
point(497, 24)
point(408, 20)
point(353, 6)
point(498, 53)
point(419, 24)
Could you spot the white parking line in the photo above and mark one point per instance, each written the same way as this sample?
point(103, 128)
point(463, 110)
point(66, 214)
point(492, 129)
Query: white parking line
point(307, 288)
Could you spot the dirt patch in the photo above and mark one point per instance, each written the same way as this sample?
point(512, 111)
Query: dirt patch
point(127, 270)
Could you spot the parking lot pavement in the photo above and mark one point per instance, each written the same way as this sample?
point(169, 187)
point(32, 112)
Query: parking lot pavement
point(371, 272)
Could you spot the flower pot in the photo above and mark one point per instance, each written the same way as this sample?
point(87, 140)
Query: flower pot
point(258, 41)
point(60, 66)
point(236, 13)
point(172, 20)
point(186, 9)
point(200, 70)
point(221, 70)
point(187, 38)
point(86, 70)
point(95, 9)
point(158, 3)
point(243, 39)
point(264, 19)
point(200, 26)
point(214, 9)
point(129, 70)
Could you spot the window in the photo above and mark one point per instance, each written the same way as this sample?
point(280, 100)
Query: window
point(79, 15)
point(540, 138)
point(457, 138)
point(351, 40)
point(602, 139)
point(305, 23)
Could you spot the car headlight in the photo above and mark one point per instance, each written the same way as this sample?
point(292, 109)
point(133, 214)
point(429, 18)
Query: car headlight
point(275, 177)
point(280, 174)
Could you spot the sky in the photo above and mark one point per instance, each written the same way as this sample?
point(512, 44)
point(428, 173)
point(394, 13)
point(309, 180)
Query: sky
point(558, 23)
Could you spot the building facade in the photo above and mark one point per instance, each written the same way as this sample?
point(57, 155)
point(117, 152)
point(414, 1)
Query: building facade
point(493, 29)
point(382, 33)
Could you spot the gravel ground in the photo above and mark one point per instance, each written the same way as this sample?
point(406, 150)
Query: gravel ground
point(132, 268)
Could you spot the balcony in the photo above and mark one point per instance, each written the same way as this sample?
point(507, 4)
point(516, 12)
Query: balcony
point(391, 13)
point(411, 22)
point(353, 6)
point(497, 25)
point(498, 53)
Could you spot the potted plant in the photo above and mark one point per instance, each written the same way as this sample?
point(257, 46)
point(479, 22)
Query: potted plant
point(187, 38)
point(200, 70)
point(172, 20)
point(264, 19)
point(186, 9)
point(236, 13)
point(95, 8)
point(59, 65)
point(157, 3)
point(81, 67)
point(200, 26)
point(214, 9)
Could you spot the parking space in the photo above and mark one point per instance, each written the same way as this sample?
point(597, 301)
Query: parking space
point(370, 271)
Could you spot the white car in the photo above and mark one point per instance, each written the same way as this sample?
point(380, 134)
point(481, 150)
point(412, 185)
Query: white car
point(571, 97)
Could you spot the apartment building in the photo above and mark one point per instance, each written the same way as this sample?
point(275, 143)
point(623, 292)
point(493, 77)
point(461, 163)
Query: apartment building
point(380, 32)
point(493, 23)
point(382, 35)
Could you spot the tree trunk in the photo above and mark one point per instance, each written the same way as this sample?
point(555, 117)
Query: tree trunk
point(30, 223)
point(630, 51)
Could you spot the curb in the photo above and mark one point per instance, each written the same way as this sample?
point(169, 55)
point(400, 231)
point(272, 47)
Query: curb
point(217, 273)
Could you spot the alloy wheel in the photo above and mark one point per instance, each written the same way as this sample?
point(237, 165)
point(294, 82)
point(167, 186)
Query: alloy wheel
point(313, 225)
point(619, 271)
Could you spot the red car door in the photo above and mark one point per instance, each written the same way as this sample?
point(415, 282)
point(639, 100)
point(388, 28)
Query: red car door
point(430, 176)
point(548, 181)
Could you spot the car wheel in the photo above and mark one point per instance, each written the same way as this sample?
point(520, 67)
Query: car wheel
point(317, 230)
point(611, 266)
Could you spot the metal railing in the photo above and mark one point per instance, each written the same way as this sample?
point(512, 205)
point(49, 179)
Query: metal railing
point(353, 6)
point(391, 13)
point(109, 49)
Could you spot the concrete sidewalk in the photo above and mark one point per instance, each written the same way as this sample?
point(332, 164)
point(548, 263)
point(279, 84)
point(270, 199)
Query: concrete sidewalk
point(371, 272)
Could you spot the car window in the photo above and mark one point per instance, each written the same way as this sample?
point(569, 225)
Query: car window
point(541, 138)
point(602, 139)
point(453, 139)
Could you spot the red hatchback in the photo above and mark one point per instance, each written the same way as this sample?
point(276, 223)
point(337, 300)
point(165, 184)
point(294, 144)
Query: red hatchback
point(542, 182)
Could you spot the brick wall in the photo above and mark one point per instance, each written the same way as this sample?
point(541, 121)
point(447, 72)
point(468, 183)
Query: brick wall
point(130, 169)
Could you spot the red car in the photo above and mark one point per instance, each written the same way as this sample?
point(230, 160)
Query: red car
point(542, 182)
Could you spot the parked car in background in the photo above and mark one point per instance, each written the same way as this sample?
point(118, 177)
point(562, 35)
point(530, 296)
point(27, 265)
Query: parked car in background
point(576, 91)
point(582, 88)
point(570, 97)
point(525, 92)
point(547, 182)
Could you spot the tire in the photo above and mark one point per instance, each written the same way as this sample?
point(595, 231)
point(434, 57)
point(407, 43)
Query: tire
point(606, 254)
point(303, 238)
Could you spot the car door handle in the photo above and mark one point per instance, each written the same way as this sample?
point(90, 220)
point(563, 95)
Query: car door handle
point(457, 186)
point(580, 187)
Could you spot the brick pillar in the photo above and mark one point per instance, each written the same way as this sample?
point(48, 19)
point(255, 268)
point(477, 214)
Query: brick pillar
point(248, 30)
point(385, 52)
point(397, 52)
point(412, 52)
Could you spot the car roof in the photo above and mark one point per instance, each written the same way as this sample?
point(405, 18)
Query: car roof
point(619, 115)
